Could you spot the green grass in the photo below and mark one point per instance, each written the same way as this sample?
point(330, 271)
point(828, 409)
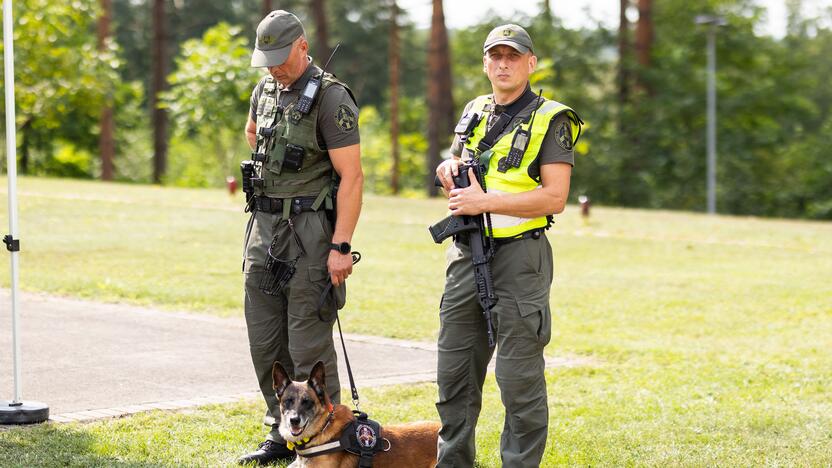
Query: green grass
point(709, 337)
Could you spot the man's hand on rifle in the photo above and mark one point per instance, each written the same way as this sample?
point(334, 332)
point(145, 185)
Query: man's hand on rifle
point(446, 171)
point(471, 200)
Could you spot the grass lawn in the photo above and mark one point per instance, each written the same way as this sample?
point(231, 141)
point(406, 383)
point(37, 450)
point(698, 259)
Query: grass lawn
point(709, 336)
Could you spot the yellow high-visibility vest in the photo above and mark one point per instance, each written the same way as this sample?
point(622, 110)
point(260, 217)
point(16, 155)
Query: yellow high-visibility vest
point(516, 180)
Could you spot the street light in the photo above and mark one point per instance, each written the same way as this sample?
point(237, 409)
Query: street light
point(713, 22)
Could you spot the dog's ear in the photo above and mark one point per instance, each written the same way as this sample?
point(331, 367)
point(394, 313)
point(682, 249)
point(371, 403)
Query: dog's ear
point(317, 381)
point(281, 378)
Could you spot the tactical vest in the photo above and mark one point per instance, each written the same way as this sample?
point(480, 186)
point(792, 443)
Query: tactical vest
point(293, 130)
point(520, 179)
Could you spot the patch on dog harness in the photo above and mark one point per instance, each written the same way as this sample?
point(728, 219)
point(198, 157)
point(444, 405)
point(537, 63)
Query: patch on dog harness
point(363, 438)
point(366, 436)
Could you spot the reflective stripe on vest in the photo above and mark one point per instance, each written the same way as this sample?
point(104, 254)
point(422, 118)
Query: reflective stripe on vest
point(516, 180)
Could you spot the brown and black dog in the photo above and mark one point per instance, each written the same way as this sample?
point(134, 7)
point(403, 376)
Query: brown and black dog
point(308, 419)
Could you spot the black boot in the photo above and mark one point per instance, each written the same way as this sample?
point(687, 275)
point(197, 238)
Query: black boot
point(268, 452)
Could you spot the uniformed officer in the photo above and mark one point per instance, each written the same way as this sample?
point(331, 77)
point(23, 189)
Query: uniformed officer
point(303, 128)
point(525, 144)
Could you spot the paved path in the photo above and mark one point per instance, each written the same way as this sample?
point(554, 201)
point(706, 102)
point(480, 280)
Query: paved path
point(89, 360)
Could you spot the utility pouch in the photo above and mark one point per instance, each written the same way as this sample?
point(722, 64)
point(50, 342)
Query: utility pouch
point(293, 157)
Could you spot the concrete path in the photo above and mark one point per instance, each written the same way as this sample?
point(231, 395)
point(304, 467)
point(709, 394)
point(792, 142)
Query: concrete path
point(88, 360)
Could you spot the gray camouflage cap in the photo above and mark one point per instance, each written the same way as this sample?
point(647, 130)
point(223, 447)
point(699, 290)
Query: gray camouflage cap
point(510, 35)
point(275, 36)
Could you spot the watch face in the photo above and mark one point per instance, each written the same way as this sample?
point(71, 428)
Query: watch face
point(343, 247)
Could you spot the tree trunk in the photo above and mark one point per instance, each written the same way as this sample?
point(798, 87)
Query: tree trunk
point(546, 6)
point(623, 53)
point(440, 99)
point(106, 143)
point(321, 30)
point(267, 8)
point(394, 95)
point(160, 116)
point(644, 40)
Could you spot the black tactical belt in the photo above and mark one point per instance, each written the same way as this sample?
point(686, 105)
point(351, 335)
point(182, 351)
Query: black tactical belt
point(533, 234)
point(275, 205)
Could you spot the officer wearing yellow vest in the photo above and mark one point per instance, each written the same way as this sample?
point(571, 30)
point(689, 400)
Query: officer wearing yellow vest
point(305, 173)
point(525, 144)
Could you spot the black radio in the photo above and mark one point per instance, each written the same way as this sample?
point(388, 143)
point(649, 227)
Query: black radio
point(310, 91)
point(308, 96)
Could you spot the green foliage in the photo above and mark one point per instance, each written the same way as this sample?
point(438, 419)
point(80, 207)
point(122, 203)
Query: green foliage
point(208, 102)
point(774, 108)
point(376, 154)
point(62, 80)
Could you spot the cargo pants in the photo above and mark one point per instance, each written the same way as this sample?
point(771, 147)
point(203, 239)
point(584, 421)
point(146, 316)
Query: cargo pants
point(286, 327)
point(522, 274)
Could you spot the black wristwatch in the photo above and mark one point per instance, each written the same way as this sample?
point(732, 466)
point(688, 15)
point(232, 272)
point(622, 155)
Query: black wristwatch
point(343, 247)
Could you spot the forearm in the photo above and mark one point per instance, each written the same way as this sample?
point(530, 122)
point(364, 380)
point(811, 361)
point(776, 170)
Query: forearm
point(349, 201)
point(531, 204)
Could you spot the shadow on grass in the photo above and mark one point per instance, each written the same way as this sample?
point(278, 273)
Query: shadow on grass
point(52, 445)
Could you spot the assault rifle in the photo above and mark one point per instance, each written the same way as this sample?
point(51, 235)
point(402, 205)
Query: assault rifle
point(473, 228)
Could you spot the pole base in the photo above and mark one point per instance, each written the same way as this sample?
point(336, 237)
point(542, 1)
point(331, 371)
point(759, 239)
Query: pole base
point(23, 412)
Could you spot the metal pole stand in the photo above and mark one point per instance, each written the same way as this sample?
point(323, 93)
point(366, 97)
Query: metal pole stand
point(15, 411)
point(23, 412)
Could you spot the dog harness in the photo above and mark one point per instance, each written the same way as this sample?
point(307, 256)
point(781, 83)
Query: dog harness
point(361, 437)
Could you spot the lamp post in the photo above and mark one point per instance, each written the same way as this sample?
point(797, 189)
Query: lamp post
point(713, 22)
point(15, 411)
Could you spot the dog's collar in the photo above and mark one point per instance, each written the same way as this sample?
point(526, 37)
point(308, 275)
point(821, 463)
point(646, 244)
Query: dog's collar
point(296, 446)
point(320, 449)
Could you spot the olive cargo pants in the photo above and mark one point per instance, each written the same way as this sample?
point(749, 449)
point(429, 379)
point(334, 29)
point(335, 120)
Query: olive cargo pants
point(522, 273)
point(286, 327)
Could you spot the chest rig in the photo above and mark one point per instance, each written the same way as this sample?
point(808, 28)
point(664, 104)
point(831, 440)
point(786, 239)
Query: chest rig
point(291, 162)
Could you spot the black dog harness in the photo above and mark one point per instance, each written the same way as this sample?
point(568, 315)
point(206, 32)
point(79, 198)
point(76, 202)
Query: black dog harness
point(361, 437)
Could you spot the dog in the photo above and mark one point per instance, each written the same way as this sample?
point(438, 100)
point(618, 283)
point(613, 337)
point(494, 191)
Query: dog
point(308, 419)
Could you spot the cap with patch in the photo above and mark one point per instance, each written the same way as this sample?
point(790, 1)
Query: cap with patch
point(275, 36)
point(510, 35)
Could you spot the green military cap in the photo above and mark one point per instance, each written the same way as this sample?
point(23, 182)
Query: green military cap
point(510, 35)
point(275, 36)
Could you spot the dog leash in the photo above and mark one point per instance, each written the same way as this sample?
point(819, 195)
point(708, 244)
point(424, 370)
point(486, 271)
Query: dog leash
point(356, 257)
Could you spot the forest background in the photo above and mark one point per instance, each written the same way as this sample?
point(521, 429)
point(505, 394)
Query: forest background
point(156, 91)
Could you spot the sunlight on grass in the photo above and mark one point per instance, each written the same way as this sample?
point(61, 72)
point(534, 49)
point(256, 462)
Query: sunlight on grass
point(706, 337)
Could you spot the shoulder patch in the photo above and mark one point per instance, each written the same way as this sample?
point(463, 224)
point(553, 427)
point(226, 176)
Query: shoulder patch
point(564, 135)
point(345, 118)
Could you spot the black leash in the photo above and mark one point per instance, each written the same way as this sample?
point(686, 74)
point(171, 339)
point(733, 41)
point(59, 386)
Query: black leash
point(356, 257)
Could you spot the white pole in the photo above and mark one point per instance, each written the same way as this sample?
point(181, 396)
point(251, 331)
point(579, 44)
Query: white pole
point(15, 411)
point(11, 171)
